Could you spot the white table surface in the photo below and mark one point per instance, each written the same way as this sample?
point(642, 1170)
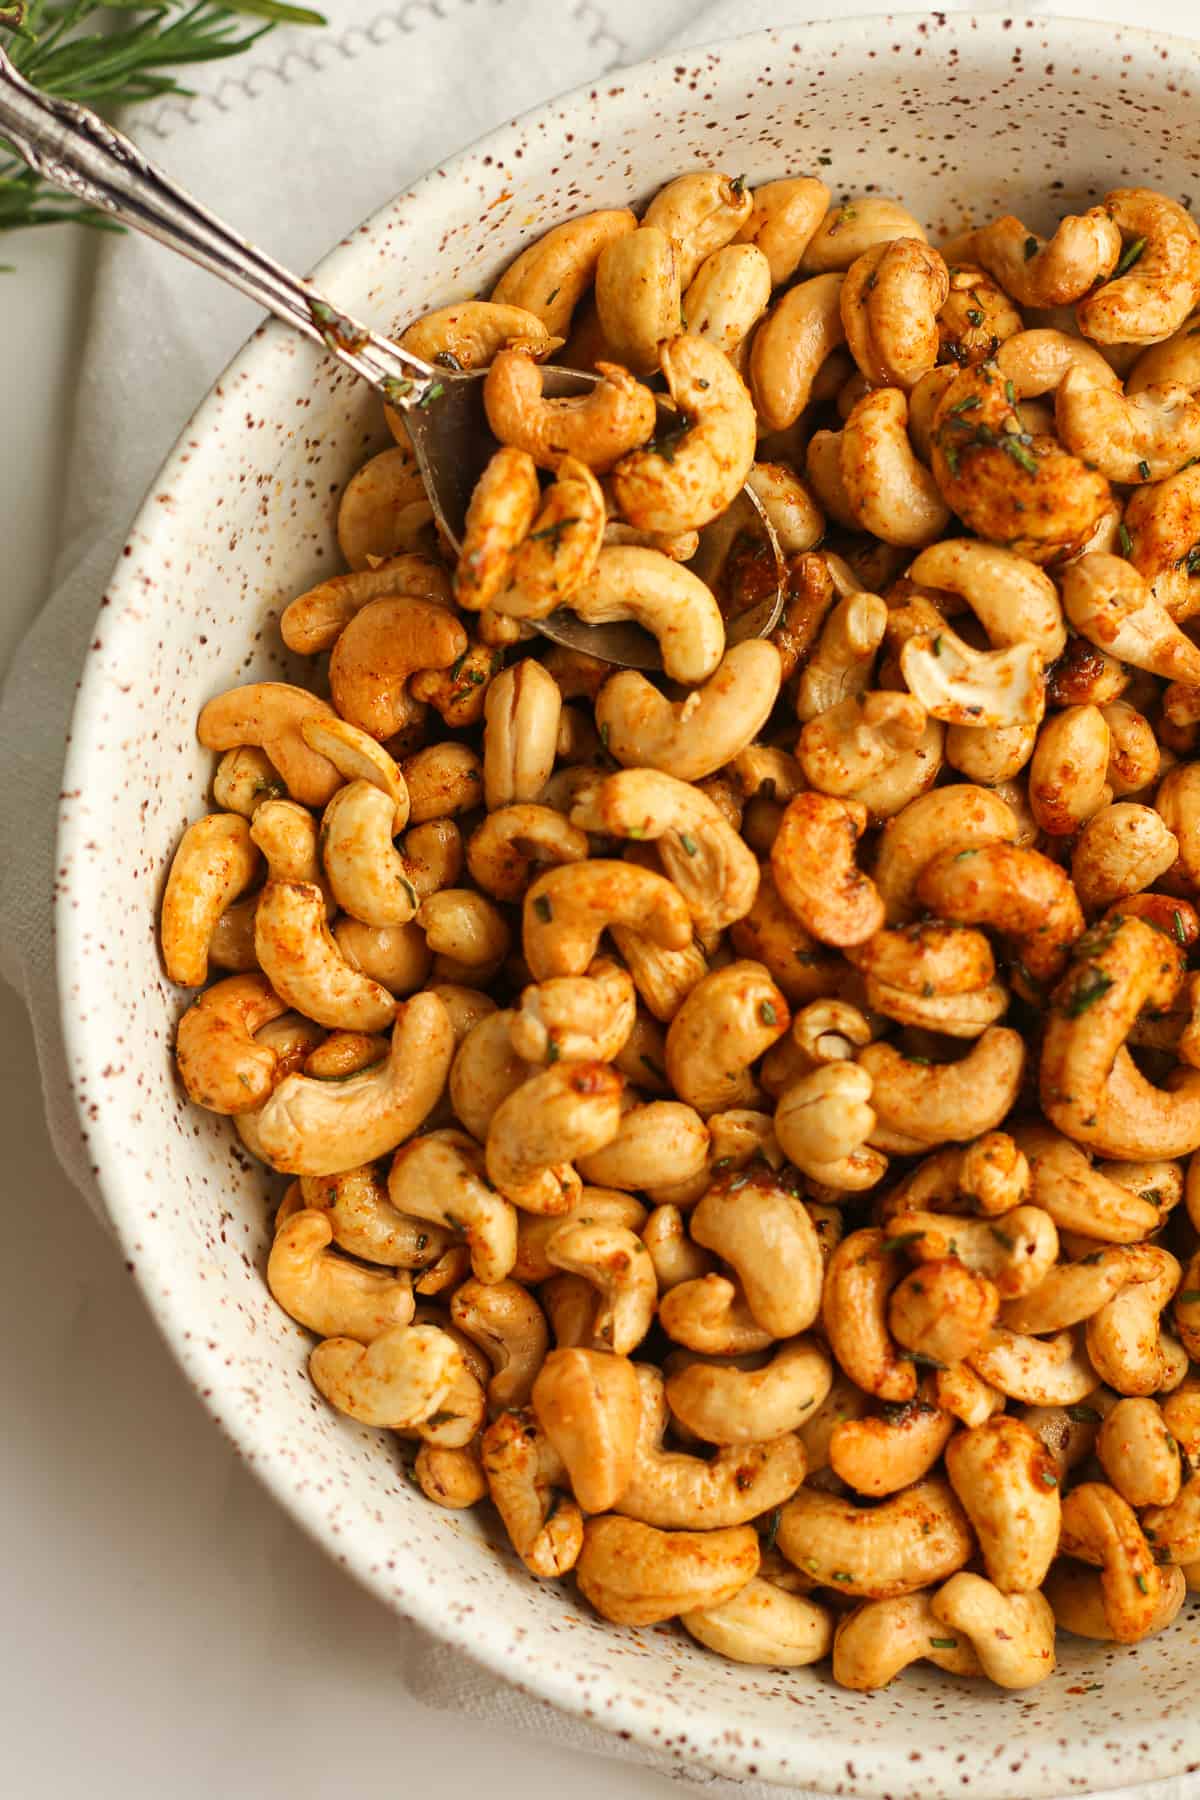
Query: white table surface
point(170, 1635)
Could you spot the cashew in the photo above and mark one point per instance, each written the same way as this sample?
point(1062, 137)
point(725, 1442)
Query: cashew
point(1012, 1635)
point(310, 1127)
point(942, 1311)
point(1090, 1086)
point(325, 1293)
point(522, 1469)
point(1175, 1529)
point(1081, 1606)
point(397, 1381)
point(1138, 1453)
point(568, 908)
point(1084, 249)
point(702, 211)
point(441, 780)
point(842, 663)
point(468, 935)
point(1129, 438)
point(880, 1455)
point(383, 645)
point(1018, 892)
point(797, 336)
point(977, 316)
point(763, 1232)
point(215, 862)
point(858, 1281)
point(522, 713)
point(440, 1177)
point(559, 553)
point(500, 515)
point(364, 1222)
point(1163, 521)
point(1162, 285)
point(304, 965)
point(616, 1262)
point(635, 1575)
point(638, 296)
point(507, 1324)
point(1015, 1251)
point(692, 737)
point(782, 220)
point(605, 1205)
point(596, 428)
point(270, 714)
point(369, 877)
point(576, 1017)
point(944, 1103)
point(1079, 1197)
point(966, 1395)
point(823, 1122)
point(728, 1404)
point(727, 296)
point(1121, 850)
point(854, 226)
point(709, 461)
point(536, 1133)
point(878, 749)
point(876, 1641)
point(315, 620)
point(764, 1624)
point(1124, 1339)
point(710, 1315)
point(1052, 1371)
point(469, 334)
point(676, 1259)
point(889, 492)
point(220, 1064)
point(996, 689)
point(880, 1552)
point(244, 778)
point(670, 1490)
point(587, 1403)
point(550, 276)
point(668, 600)
point(660, 1144)
point(723, 1026)
point(812, 859)
point(503, 850)
point(1108, 601)
point(949, 819)
point(890, 302)
point(1175, 802)
point(1099, 1527)
point(1008, 1486)
point(486, 1070)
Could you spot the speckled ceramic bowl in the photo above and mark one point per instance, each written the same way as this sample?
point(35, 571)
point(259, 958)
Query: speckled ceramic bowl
point(957, 115)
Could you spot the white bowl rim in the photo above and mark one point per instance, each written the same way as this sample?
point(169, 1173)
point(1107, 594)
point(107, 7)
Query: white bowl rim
point(482, 1639)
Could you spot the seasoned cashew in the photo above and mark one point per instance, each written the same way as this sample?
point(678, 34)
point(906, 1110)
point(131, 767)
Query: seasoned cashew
point(579, 1018)
point(587, 1403)
point(467, 933)
point(1157, 280)
point(842, 663)
point(500, 514)
point(1005, 483)
point(764, 1624)
point(568, 908)
point(1138, 1453)
point(559, 553)
point(327, 1294)
point(398, 1380)
point(1090, 1086)
point(725, 1403)
point(860, 1276)
point(1125, 1343)
point(709, 1315)
point(536, 1133)
point(383, 508)
point(441, 780)
point(396, 957)
point(508, 1325)
point(1129, 438)
point(1079, 1197)
point(691, 738)
point(523, 1468)
point(304, 965)
point(1109, 602)
point(638, 296)
point(891, 494)
point(383, 645)
point(310, 1127)
point(469, 334)
point(876, 1641)
point(551, 275)
point(660, 1144)
point(1052, 1371)
point(1099, 1527)
point(966, 1395)
point(977, 316)
point(485, 1071)
point(1008, 1485)
point(215, 862)
point(989, 1176)
point(616, 1262)
point(358, 757)
point(880, 1454)
point(1012, 1634)
point(502, 851)
point(1037, 272)
point(220, 1064)
point(723, 1026)
point(854, 226)
point(942, 1311)
point(1019, 892)
point(369, 877)
point(451, 1478)
point(698, 477)
point(943, 1103)
point(763, 1232)
point(596, 428)
point(890, 302)
point(671, 1490)
point(1015, 1250)
point(636, 1575)
point(1162, 520)
point(949, 819)
point(605, 1205)
point(672, 603)
point(1134, 756)
point(702, 211)
point(365, 1223)
point(269, 714)
point(440, 1177)
point(782, 220)
point(1013, 599)
point(823, 1122)
point(879, 749)
point(995, 689)
point(813, 861)
point(1121, 850)
point(244, 778)
point(315, 620)
point(522, 713)
point(676, 1259)
point(727, 296)
point(1082, 1607)
point(797, 336)
point(880, 1552)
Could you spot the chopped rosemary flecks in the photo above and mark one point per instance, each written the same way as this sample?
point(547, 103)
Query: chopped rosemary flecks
point(922, 1361)
point(1144, 469)
point(767, 1013)
point(1091, 986)
point(552, 533)
point(1010, 393)
point(692, 847)
point(655, 1069)
point(1083, 1415)
point(1178, 928)
point(1188, 1296)
point(772, 1531)
point(543, 908)
point(840, 1575)
point(1124, 539)
point(1025, 459)
point(974, 316)
point(1049, 1478)
point(1129, 256)
point(943, 1643)
point(1031, 247)
point(1002, 1237)
point(901, 1238)
point(431, 394)
point(936, 645)
point(970, 404)
point(1143, 1584)
point(552, 1051)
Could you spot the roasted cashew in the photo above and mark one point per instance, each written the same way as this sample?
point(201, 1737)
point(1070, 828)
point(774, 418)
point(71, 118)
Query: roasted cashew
point(671, 1490)
point(966, 1395)
point(615, 1262)
point(860, 1276)
point(559, 551)
point(676, 1259)
point(1109, 602)
point(948, 819)
point(366, 1224)
point(942, 1103)
point(706, 465)
point(942, 1311)
point(244, 778)
point(1138, 1453)
point(763, 1232)
point(726, 1403)
point(880, 1552)
point(723, 1027)
point(702, 211)
point(596, 428)
point(595, 1205)
point(315, 620)
point(813, 861)
point(523, 1468)
point(451, 1478)
point(1175, 802)
point(369, 877)
point(485, 1071)
point(662, 1144)
point(635, 1575)
point(383, 645)
point(880, 1454)
point(880, 750)
point(1006, 484)
point(215, 862)
point(691, 738)
point(988, 1176)
point(269, 714)
point(310, 1127)
point(1081, 1606)
point(304, 965)
point(797, 336)
point(1082, 1198)
point(890, 493)
point(1162, 520)
point(853, 226)
point(1018, 892)
point(782, 220)
point(398, 1380)
point(1052, 1371)
point(384, 509)
point(551, 275)
point(985, 690)
point(1121, 850)
point(358, 757)
point(508, 1325)
point(1125, 1342)
point(1162, 256)
point(1099, 1527)
point(638, 296)
point(842, 663)
point(441, 780)
point(1090, 1086)
point(522, 713)
point(1015, 1251)
point(536, 1133)
point(764, 1624)
point(668, 600)
point(1012, 1635)
point(876, 1641)
point(1084, 249)
point(890, 302)
point(440, 1177)
point(587, 1403)
point(1130, 438)
point(468, 335)
point(503, 850)
point(709, 1315)
point(568, 908)
point(823, 1122)
point(1008, 1485)
point(500, 514)
point(976, 318)
point(327, 1294)
point(727, 296)
point(579, 1018)
point(220, 1064)
point(468, 934)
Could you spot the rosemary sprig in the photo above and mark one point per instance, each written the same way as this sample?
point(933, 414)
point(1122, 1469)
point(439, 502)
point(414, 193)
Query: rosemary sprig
point(110, 54)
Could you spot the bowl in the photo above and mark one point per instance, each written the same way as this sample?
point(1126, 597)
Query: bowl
point(960, 116)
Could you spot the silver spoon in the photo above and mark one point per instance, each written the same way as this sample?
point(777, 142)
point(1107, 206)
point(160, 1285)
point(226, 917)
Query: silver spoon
point(73, 147)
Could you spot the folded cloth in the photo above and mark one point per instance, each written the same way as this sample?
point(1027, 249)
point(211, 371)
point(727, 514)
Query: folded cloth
point(384, 94)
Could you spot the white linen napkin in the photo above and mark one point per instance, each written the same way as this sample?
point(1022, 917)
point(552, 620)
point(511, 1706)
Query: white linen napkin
point(418, 81)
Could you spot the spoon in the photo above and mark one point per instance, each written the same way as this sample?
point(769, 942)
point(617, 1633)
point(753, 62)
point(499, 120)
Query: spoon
point(74, 148)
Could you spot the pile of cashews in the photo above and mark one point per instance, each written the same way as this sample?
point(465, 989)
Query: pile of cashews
point(738, 1125)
